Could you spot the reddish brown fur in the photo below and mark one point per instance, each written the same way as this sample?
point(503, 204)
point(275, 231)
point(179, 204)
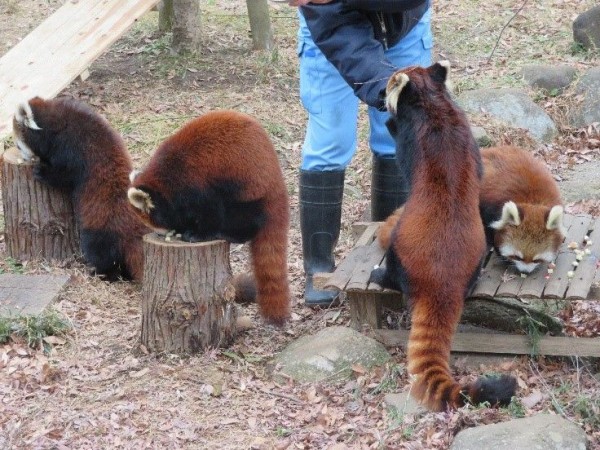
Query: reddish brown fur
point(233, 146)
point(439, 239)
point(101, 201)
point(512, 174)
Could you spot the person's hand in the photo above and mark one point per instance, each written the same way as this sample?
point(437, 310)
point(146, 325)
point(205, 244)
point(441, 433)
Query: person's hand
point(305, 2)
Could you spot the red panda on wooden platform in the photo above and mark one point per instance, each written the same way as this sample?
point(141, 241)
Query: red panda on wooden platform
point(438, 243)
point(520, 207)
point(218, 177)
point(76, 150)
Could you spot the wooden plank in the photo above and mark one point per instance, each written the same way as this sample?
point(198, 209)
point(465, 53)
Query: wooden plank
point(368, 236)
point(362, 271)
point(344, 270)
point(490, 278)
point(61, 48)
point(556, 286)
point(504, 343)
point(579, 287)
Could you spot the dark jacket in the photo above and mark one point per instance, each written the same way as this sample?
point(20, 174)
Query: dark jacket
point(353, 34)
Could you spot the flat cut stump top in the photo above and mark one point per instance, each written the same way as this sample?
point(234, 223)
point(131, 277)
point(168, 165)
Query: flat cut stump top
point(28, 294)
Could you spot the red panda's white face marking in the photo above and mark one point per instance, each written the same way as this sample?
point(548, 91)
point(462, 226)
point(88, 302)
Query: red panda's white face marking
point(140, 199)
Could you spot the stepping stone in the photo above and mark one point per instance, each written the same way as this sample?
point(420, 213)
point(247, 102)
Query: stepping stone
point(29, 295)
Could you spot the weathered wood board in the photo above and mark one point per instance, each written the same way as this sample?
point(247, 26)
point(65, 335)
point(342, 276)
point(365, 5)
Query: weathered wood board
point(61, 48)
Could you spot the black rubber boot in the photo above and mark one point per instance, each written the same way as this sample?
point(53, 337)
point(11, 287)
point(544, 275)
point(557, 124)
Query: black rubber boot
point(320, 216)
point(389, 190)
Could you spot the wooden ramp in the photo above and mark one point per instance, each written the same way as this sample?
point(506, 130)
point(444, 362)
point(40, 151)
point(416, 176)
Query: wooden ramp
point(60, 49)
point(498, 280)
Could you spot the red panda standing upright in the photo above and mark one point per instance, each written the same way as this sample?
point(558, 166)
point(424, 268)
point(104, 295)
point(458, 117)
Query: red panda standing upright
point(438, 244)
point(218, 177)
point(78, 152)
point(520, 208)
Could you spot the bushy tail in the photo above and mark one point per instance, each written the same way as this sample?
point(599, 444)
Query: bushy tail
point(269, 260)
point(433, 326)
point(384, 234)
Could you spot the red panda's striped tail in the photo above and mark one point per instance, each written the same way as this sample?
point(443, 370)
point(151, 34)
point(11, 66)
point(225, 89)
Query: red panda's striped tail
point(428, 361)
point(269, 261)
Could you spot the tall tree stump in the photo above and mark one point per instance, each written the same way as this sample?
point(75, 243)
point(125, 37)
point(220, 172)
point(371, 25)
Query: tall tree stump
point(187, 295)
point(187, 35)
point(39, 221)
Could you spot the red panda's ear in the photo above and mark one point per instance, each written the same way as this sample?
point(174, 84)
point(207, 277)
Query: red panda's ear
point(510, 216)
point(439, 71)
point(395, 86)
point(554, 219)
point(24, 116)
point(140, 200)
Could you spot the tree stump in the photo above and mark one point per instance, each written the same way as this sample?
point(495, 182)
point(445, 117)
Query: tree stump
point(186, 26)
point(187, 296)
point(39, 221)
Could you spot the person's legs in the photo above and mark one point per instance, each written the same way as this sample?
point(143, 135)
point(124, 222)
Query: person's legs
point(388, 188)
point(329, 145)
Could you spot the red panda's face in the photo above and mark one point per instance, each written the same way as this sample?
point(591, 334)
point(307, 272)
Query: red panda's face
point(529, 235)
point(144, 205)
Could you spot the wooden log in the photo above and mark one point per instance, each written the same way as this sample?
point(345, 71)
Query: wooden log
point(39, 221)
point(187, 296)
point(186, 27)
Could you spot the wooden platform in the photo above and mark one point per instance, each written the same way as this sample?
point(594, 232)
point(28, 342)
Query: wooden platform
point(366, 299)
point(28, 294)
point(61, 48)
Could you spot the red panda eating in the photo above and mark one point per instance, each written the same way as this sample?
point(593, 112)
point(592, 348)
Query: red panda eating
point(218, 177)
point(76, 150)
point(438, 243)
point(520, 206)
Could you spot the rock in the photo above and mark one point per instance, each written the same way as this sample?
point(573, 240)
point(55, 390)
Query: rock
point(481, 137)
point(586, 29)
point(540, 432)
point(549, 78)
point(403, 404)
point(330, 355)
point(583, 183)
point(512, 107)
point(589, 109)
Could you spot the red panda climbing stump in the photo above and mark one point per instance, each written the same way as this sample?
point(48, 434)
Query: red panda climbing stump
point(187, 296)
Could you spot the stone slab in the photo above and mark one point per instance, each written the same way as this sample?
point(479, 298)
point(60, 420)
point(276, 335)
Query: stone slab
point(28, 294)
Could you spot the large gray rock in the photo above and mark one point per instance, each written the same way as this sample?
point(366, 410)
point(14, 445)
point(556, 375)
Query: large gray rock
point(589, 109)
point(540, 432)
point(586, 29)
point(330, 355)
point(583, 183)
point(512, 107)
point(547, 77)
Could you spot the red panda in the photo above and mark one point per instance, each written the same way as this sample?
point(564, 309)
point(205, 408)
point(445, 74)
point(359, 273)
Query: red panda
point(438, 243)
point(218, 177)
point(520, 206)
point(76, 150)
